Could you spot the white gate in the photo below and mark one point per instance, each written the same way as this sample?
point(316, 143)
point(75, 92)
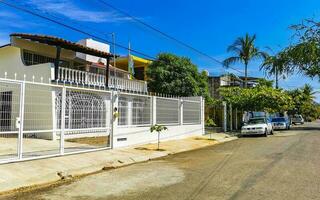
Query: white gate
point(40, 120)
point(11, 97)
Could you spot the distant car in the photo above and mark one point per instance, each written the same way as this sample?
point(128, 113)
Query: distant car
point(297, 119)
point(257, 126)
point(280, 123)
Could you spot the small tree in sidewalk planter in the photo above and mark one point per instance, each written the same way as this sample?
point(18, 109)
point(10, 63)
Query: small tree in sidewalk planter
point(158, 128)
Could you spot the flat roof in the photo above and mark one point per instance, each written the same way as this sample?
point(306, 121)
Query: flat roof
point(65, 44)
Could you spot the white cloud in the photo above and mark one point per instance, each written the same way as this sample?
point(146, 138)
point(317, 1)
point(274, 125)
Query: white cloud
point(74, 12)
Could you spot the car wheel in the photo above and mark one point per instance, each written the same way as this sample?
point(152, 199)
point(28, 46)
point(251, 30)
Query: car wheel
point(265, 133)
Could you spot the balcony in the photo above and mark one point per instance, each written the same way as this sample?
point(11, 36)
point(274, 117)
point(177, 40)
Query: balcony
point(79, 77)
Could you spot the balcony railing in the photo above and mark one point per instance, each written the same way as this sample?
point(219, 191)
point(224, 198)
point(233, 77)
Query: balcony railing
point(80, 77)
point(127, 84)
point(87, 78)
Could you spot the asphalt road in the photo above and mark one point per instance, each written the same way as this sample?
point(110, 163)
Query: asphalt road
point(283, 166)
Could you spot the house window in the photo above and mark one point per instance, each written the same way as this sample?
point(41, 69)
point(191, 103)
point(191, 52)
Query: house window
point(5, 110)
point(30, 58)
point(139, 73)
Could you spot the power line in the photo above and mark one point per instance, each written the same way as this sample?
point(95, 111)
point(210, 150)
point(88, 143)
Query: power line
point(78, 30)
point(163, 33)
point(72, 28)
point(159, 31)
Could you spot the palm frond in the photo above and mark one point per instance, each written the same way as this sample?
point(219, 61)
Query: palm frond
point(231, 60)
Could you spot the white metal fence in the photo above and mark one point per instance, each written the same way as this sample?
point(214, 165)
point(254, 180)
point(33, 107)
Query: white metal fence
point(40, 120)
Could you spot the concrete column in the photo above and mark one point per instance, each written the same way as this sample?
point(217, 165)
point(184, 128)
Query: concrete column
point(129, 116)
point(154, 110)
point(224, 104)
point(202, 117)
point(114, 108)
point(181, 111)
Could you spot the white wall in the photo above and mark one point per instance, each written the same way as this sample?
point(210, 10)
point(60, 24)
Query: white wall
point(38, 99)
point(135, 134)
point(94, 45)
point(128, 136)
point(11, 64)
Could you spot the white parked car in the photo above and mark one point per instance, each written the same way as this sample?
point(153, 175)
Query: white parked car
point(280, 123)
point(257, 126)
point(297, 119)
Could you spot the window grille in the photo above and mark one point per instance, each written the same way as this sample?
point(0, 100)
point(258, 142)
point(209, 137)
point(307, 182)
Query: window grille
point(30, 58)
point(6, 111)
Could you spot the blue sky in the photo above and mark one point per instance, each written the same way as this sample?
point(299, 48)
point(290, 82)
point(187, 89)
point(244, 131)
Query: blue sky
point(208, 25)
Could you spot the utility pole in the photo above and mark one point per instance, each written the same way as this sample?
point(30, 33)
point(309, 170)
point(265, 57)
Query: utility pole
point(114, 49)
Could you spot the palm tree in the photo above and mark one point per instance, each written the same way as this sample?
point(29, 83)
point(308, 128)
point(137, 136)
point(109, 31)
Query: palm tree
point(244, 51)
point(275, 65)
point(307, 92)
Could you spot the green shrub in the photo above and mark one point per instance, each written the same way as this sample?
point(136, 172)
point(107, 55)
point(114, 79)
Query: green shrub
point(210, 123)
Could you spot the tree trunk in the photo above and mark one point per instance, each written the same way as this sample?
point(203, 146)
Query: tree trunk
point(246, 75)
point(158, 140)
point(277, 78)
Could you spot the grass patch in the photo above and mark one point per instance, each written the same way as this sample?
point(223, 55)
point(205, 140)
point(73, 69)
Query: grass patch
point(149, 149)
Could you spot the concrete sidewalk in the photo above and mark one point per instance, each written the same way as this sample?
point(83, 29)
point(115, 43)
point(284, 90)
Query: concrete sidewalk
point(51, 170)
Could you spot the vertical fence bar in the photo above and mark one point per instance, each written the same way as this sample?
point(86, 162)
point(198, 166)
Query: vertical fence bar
point(21, 110)
point(63, 112)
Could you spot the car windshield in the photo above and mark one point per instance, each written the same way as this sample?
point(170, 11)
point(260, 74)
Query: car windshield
point(257, 121)
point(280, 119)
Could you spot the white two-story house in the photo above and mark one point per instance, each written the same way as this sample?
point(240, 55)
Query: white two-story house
point(52, 60)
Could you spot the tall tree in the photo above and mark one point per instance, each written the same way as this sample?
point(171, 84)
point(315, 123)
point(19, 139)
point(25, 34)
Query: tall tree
point(244, 50)
point(171, 74)
point(304, 103)
point(303, 53)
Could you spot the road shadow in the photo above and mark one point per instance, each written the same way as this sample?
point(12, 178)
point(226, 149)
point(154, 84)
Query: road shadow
point(251, 136)
point(305, 128)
